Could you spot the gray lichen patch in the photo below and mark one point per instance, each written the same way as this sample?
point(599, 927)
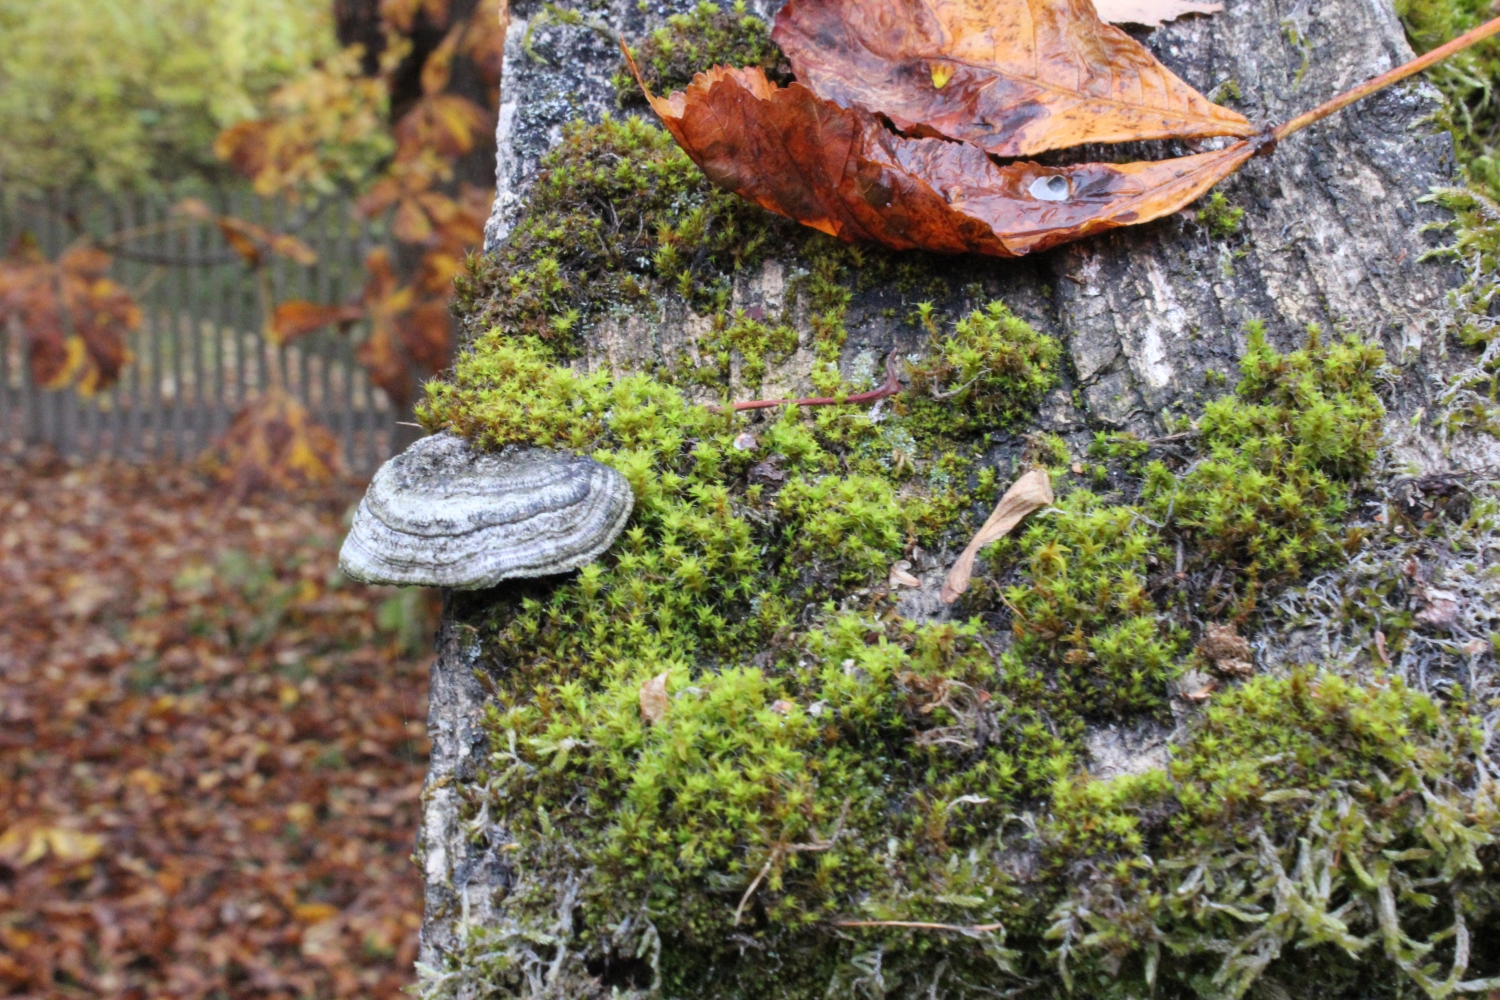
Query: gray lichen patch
point(444, 515)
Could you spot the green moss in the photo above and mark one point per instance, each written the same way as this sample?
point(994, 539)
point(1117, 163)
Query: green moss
point(991, 372)
point(1280, 453)
point(1296, 831)
point(1221, 219)
point(616, 212)
point(689, 44)
point(825, 767)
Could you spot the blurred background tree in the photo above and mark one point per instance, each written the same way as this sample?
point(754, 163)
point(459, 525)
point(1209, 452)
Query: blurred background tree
point(129, 94)
point(387, 106)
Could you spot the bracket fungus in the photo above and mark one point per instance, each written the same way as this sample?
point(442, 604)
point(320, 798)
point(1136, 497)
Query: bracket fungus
point(441, 514)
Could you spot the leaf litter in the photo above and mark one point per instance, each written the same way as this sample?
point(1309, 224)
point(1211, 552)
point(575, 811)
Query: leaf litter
point(211, 748)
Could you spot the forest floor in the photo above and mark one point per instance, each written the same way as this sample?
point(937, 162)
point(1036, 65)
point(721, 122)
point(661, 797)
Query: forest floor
point(211, 746)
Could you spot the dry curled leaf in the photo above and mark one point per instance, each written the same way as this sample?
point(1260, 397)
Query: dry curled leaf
point(1014, 77)
point(901, 575)
point(1228, 651)
point(654, 700)
point(1032, 490)
point(841, 171)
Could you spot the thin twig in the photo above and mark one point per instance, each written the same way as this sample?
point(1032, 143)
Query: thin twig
point(891, 387)
point(782, 850)
point(921, 925)
point(950, 393)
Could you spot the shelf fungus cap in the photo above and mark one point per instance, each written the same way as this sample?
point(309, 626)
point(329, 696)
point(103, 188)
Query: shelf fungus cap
point(441, 514)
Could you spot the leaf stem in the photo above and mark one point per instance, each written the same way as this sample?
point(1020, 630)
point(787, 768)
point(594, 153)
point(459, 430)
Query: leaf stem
point(1385, 79)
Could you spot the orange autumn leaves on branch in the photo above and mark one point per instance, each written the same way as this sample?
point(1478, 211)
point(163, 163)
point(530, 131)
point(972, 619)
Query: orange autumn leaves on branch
point(327, 134)
point(75, 318)
point(901, 108)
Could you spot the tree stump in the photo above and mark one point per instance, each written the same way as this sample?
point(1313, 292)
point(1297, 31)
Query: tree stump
point(1153, 320)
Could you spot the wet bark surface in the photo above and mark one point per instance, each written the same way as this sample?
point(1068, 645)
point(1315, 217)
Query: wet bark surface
point(1333, 234)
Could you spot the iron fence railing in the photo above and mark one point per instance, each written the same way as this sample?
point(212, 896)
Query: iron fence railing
point(199, 356)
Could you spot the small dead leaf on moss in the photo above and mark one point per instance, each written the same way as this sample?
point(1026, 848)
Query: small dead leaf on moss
point(901, 575)
point(654, 700)
point(1032, 490)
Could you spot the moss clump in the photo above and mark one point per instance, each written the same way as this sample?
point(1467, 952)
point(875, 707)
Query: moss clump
point(823, 763)
point(1297, 836)
point(617, 210)
point(1269, 495)
point(689, 44)
point(990, 372)
point(1221, 219)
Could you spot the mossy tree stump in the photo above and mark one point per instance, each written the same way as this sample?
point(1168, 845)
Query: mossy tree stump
point(1189, 732)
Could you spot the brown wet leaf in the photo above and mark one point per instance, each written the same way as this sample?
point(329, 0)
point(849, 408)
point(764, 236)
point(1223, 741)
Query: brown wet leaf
point(1032, 490)
point(840, 171)
point(654, 700)
point(1014, 77)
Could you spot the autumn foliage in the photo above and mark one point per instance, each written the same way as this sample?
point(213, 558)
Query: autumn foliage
point(76, 318)
point(331, 133)
point(325, 132)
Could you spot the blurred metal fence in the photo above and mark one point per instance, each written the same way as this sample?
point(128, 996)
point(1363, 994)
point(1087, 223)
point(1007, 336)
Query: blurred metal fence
point(198, 354)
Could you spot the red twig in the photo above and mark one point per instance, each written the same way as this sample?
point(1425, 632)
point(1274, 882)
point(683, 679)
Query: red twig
point(891, 387)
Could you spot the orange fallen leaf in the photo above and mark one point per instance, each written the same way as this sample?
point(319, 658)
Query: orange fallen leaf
point(1005, 77)
point(1014, 77)
point(654, 700)
point(1025, 495)
point(841, 171)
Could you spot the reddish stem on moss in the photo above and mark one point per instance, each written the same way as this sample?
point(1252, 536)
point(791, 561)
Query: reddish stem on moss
point(891, 387)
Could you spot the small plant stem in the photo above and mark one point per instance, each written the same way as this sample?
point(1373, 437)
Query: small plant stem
point(920, 925)
point(891, 387)
point(1385, 79)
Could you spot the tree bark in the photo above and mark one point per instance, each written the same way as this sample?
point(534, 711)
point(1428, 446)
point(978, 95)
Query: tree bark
point(1333, 234)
